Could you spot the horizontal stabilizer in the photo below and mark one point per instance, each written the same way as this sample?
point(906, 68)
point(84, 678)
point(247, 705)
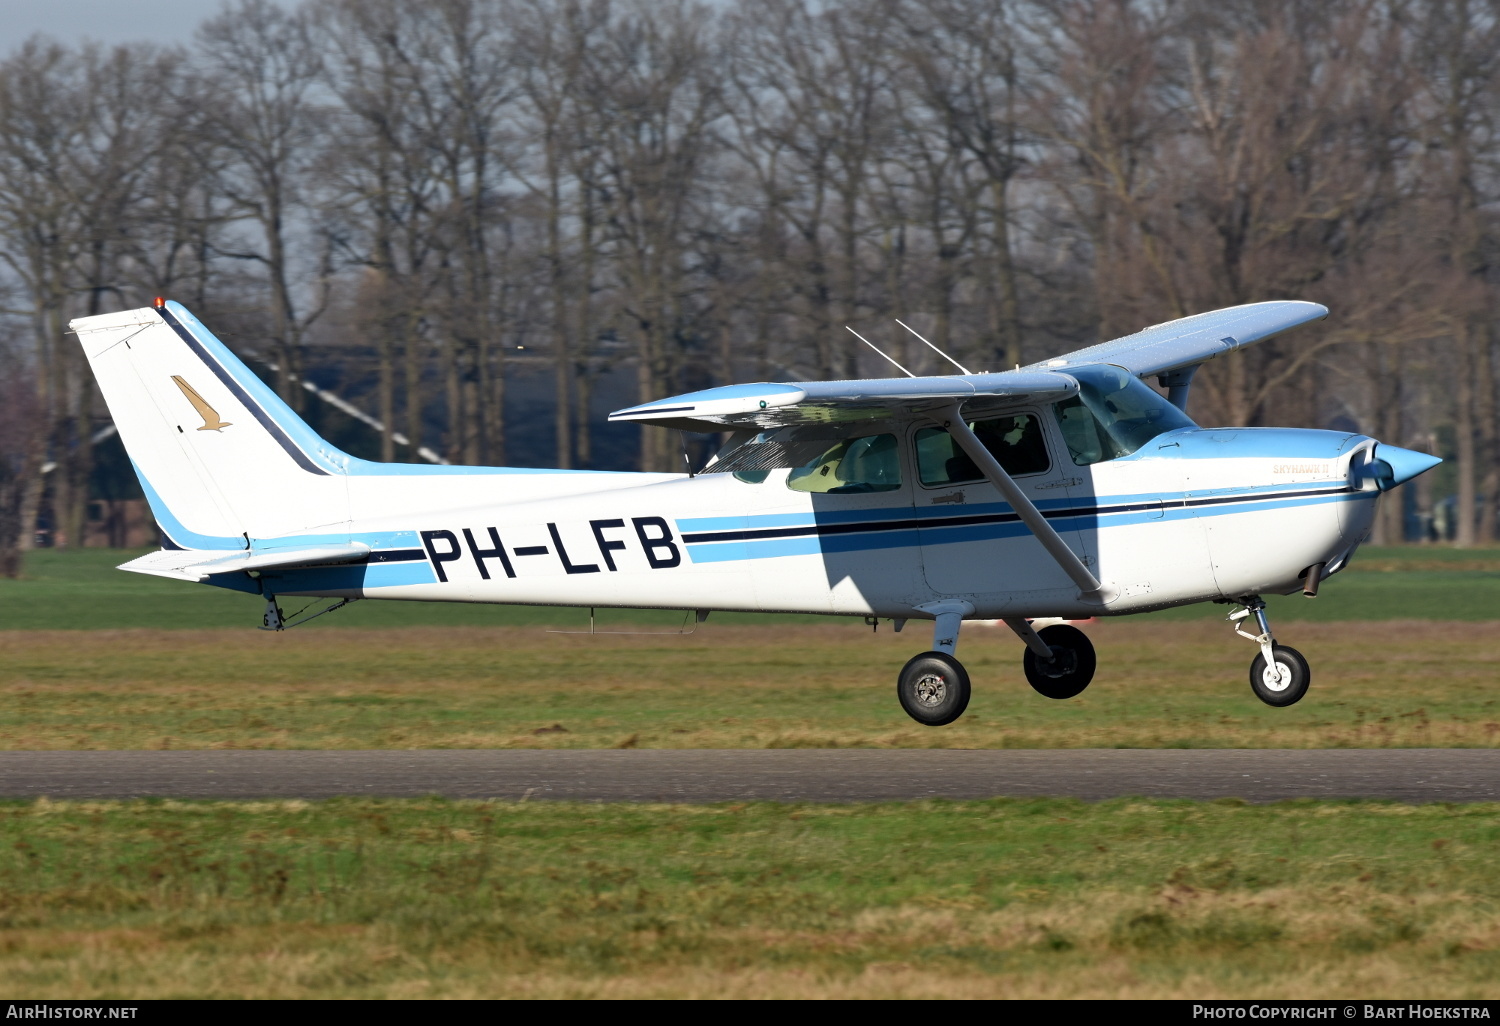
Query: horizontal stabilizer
point(200, 565)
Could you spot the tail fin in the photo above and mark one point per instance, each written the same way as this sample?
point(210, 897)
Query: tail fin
point(222, 459)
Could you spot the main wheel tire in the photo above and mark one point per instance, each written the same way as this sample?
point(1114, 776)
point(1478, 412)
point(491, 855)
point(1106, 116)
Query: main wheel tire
point(933, 688)
point(1072, 666)
point(1286, 684)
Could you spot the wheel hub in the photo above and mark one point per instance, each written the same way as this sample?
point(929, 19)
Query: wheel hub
point(1276, 677)
point(930, 690)
point(1064, 662)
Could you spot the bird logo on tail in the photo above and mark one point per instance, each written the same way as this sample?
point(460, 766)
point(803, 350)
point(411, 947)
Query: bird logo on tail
point(211, 421)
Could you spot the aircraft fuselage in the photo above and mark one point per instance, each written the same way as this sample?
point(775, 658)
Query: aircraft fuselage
point(1195, 514)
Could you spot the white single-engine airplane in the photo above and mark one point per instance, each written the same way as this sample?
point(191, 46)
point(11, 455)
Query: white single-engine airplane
point(1066, 489)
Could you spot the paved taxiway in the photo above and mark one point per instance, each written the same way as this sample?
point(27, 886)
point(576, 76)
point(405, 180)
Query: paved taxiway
point(1410, 775)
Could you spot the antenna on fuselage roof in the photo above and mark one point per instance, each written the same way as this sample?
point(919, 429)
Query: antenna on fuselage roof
point(873, 346)
point(934, 348)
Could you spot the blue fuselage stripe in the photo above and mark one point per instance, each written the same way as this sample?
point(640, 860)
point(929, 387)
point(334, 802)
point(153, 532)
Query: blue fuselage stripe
point(763, 542)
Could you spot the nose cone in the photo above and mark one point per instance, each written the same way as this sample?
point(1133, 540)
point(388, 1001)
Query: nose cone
point(1404, 464)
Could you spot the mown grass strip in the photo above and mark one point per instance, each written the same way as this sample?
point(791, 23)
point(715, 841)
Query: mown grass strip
point(1418, 684)
point(993, 898)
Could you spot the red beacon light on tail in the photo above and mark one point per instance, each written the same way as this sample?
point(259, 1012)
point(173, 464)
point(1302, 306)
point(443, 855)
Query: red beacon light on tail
point(159, 302)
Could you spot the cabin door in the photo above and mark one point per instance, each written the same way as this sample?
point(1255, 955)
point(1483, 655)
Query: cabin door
point(973, 544)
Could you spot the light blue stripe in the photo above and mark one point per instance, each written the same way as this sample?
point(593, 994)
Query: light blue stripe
point(377, 540)
point(175, 529)
point(938, 534)
point(741, 523)
point(182, 535)
point(727, 551)
point(753, 522)
point(391, 575)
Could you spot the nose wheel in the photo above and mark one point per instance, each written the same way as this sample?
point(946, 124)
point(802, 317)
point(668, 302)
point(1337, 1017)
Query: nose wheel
point(1282, 681)
point(1279, 675)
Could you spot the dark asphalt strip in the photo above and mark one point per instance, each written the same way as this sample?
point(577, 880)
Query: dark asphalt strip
point(707, 775)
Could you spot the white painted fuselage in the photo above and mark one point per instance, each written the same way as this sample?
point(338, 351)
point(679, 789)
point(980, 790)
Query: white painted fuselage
point(1195, 515)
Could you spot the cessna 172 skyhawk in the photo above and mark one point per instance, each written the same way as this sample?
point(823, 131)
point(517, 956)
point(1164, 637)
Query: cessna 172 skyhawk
point(1066, 489)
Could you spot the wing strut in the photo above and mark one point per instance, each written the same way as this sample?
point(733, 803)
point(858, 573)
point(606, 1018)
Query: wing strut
point(1089, 587)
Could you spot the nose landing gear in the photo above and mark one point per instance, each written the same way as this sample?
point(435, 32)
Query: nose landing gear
point(1279, 675)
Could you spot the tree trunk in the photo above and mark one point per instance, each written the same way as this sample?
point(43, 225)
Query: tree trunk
point(562, 359)
point(1005, 271)
point(1489, 457)
point(1463, 443)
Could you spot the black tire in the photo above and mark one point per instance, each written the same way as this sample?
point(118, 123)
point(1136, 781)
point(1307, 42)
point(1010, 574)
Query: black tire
point(1289, 692)
point(933, 688)
point(1072, 666)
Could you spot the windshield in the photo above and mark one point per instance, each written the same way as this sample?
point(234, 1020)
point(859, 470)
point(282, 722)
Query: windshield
point(1113, 415)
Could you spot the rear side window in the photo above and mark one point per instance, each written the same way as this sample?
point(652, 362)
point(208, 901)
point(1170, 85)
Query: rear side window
point(869, 464)
point(1015, 442)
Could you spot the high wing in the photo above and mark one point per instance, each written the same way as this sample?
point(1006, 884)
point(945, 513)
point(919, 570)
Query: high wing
point(767, 405)
point(1160, 349)
point(1189, 341)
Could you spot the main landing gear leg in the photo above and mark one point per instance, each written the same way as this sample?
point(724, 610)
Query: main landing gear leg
point(933, 687)
point(1279, 676)
point(272, 619)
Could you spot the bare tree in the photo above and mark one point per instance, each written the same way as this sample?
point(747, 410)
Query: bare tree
point(254, 104)
point(652, 98)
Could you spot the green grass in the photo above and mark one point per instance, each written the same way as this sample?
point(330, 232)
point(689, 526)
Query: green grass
point(1035, 898)
point(1402, 684)
point(80, 589)
point(354, 898)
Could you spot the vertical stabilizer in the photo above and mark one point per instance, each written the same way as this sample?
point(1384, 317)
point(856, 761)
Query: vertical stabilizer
point(219, 454)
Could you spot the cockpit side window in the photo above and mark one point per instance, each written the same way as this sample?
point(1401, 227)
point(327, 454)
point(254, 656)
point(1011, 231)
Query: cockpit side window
point(868, 464)
point(1016, 443)
point(1113, 415)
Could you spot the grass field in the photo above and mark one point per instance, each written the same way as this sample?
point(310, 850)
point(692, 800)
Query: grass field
point(1412, 683)
point(363, 898)
point(359, 898)
point(81, 590)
